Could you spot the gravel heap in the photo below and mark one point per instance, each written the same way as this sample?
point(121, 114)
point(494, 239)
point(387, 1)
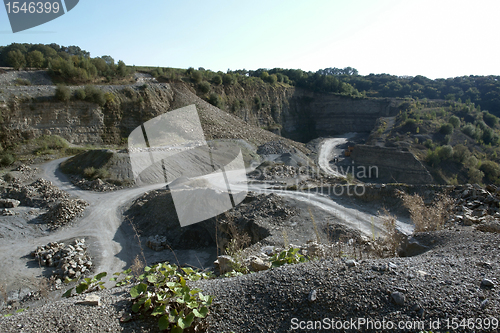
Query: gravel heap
point(457, 278)
point(64, 212)
point(41, 193)
point(275, 147)
point(71, 260)
point(97, 185)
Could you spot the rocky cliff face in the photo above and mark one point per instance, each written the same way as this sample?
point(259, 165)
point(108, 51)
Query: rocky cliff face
point(291, 112)
point(303, 115)
point(311, 115)
point(393, 165)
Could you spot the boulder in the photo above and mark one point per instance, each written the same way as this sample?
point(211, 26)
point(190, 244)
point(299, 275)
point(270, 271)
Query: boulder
point(9, 203)
point(257, 264)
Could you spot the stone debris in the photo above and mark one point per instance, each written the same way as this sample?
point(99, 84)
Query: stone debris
point(312, 295)
point(7, 212)
point(64, 212)
point(398, 297)
point(9, 203)
point(257, 264)
point(41, 193)
point(70, 260)
point(275, 147)
point(476, 205)
point(97, 185)
point(351, 263)
point(157, 243)
point(225, 264)
point(92, 300)
point(487, 283)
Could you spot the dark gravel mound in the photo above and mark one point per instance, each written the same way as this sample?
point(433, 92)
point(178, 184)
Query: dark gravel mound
point(444, 283)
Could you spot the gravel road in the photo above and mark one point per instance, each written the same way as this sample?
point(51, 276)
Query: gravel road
point(328, 150)
point(113, 243)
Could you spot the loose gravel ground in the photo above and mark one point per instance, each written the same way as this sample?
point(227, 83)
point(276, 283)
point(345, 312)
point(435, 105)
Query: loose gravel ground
point(441, 284)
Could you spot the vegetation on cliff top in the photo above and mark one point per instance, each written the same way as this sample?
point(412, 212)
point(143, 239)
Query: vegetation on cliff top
point(458, 142)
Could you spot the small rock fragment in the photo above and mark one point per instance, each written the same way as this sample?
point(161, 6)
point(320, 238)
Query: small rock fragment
point(312, 295)
point(92, 300)
point(487, 283)
point(398, 298)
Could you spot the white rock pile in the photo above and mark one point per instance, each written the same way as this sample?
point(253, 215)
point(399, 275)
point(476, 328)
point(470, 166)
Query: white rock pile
point(64, 212)
point(70, 260)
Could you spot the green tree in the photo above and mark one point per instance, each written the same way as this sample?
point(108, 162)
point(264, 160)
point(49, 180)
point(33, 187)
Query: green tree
point(227, 79)
point(475, 175)
point(490, 119)
point(217, 80)
point(197, 76)
point(454, 121)
point(446, 129)
point(35, 59)
point(491, 170)
point(121, 69)
point(16, 59)
point(445, 152)
point(204, 87)
point(469, 130)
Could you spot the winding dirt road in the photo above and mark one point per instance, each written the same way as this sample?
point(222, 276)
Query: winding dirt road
point(113, 241)
point(328, 150)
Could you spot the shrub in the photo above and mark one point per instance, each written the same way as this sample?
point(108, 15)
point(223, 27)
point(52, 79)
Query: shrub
point(491, 170)
point(489, 119)
point(392, 239)
point(460, 153)
point(432, 157)
point(95, 95)
point(446, 129)
point(22, 82)
point(475, 176)
point(80, 94)
point(89, 172)
point(428, 218)
point(228, 79)
point(197, 76)
point(204, 87)
point(217, 80)
point(215, 100)
point(445, 152)
point(470, 162)
point(63, 93)
point(7, 159)
point(469, 130)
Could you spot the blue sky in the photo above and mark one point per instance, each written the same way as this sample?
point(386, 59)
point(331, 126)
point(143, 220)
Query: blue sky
point(431, 38)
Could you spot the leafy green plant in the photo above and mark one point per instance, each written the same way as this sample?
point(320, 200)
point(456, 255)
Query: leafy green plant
point(127, 279)
point(164, 293)
point(87, 285)
point(290, 256)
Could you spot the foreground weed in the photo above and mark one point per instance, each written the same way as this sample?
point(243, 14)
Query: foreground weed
point(290, 256)
point(163, 293)
point(87, 285)
point(428, 217)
